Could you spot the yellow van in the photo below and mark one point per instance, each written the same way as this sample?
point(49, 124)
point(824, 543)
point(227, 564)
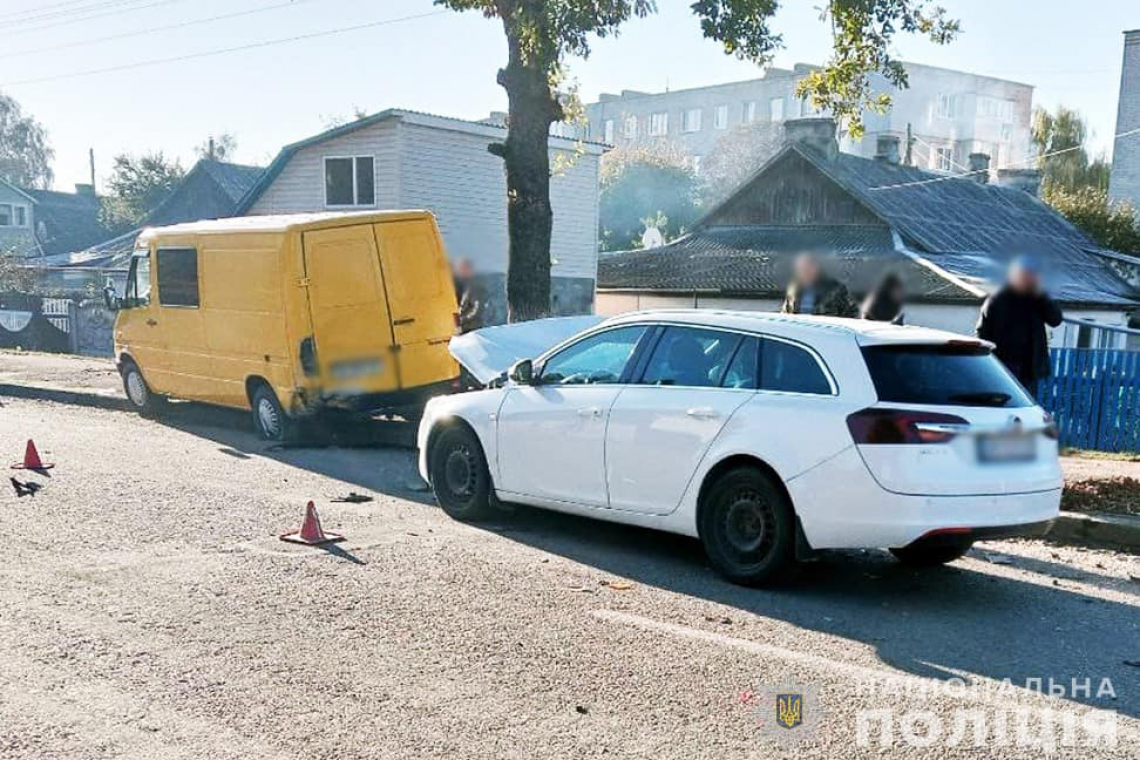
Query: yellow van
point(288, 315)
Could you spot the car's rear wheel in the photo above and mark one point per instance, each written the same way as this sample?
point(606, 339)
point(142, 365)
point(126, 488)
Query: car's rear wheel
point(142, 399)
point(459, 474)
point(928, 555)
point(269, 417)
point(747, 526)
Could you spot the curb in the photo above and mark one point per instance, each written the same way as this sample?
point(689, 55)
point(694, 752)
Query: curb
point(77, 398)
point(1097, 530)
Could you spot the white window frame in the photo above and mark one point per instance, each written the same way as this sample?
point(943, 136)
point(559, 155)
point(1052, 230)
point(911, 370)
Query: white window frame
point(750, 111)
point(659, 124)
point(17, 212)
point(608, 131)
point(776, 109)
point(697, 165)
point(691, 120)
point(355, 187)
point(946, 106)
point(944, 159)
point(629, 128)
point(720, 117)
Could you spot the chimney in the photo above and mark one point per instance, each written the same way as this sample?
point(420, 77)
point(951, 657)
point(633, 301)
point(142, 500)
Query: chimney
point(816, 132)
point(979, 164)
point(1028, 180)
point(84, 189)
point(887, 149)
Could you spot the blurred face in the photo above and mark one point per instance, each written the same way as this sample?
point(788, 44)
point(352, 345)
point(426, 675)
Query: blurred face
point(1023, 280)
point(806, 270)
point(464, 270)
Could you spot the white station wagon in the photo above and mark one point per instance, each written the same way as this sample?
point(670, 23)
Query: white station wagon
point(765, 436)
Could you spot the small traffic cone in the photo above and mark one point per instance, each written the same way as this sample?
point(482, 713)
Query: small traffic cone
point(311, 533)
point(32, 460)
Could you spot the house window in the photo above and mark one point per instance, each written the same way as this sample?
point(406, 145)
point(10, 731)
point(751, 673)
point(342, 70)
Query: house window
point(999, 109)
point(5, 215)
point(692, 120)
point(947, 107)
point(776, 107)
point(608, 131)
point(21, 216)
point(350, 181)
point(659, 124)
point(944, 159)
point(720, 120)
point(178, 277)
point(630, 128)
point(750, 111)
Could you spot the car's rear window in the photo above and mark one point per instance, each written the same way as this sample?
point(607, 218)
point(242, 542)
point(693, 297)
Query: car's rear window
point(947, 375)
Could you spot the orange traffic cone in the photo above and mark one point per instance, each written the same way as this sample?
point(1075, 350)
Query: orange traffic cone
point(32, 460)
point(311, 533)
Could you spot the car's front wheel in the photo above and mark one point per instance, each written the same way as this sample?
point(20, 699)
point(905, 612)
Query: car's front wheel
point(927, 555)
point(747, 526)
point(459, 474)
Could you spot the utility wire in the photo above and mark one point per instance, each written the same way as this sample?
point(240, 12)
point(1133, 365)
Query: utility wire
point(150, 30)
point(62, 12)
point(223, 51)
point(1014, 165)
point(103, 14)
point(49, 6)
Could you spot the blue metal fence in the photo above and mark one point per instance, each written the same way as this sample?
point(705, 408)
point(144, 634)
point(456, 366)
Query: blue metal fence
point(1094, 394)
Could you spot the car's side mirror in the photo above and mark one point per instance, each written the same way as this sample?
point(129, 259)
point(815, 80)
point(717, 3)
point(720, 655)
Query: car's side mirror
point(522, 372)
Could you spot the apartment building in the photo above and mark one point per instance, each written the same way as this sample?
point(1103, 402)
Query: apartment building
point(951, 114)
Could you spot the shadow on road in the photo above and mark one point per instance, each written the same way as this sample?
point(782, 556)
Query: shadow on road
point(936, 623)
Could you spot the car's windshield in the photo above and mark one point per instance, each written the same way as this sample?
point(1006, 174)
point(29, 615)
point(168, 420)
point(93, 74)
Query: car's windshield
point(946, 375)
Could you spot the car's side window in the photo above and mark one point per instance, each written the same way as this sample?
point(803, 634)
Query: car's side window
point(692, 357)
point(745, 366)
point(598, 359)
point(789, 368)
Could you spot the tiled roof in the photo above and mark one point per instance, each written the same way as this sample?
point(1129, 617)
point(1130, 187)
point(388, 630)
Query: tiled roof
point(70, 220)
point(754, 260)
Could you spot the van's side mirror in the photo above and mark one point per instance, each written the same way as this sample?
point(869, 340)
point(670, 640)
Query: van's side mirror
point(522, 372)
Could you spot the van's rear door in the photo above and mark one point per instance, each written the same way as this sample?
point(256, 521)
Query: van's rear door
point(351, 323)
point(421, 297)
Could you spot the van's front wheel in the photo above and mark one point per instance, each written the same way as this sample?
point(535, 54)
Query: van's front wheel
point(270, 419)
point(142, 399)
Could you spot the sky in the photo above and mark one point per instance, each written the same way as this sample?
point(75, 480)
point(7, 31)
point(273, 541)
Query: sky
point(435, 60)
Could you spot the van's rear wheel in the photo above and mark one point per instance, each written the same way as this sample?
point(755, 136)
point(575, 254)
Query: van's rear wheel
point(270, 419)
point(748, 527)
point(142, 399)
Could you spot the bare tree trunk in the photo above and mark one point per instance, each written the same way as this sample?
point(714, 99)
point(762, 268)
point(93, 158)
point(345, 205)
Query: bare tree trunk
point(533, 108)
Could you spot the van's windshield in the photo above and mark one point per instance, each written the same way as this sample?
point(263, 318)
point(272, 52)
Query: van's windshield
point(944, 375)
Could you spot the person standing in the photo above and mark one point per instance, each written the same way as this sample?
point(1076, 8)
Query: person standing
point(811, 291)
point(1014, 320)
point(471, 297)
point(885, 302)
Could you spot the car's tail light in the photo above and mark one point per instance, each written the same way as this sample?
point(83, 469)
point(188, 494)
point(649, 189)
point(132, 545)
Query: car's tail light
point(1051, 430)
point(898, 426)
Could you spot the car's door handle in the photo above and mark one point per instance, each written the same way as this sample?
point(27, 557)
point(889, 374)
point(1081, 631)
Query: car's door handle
point(590, 411)
point(152, 322)
point(703, 413)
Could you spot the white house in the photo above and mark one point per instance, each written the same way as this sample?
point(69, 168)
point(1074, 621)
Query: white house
point(406, 159)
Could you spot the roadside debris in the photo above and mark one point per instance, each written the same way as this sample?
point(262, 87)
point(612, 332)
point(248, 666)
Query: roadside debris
point(354, 498)
point(25, 489)
point(32, 460)
point(616, 585)
point(999, 559)
point(310, 532)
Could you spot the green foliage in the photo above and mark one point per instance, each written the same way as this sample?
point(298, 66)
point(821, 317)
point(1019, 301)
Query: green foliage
point(862, 33)
point(646, 185)
point(1112, 225)
point(15, 276)
point(138, 184)
point(1072, 169)
point(25, 157)
point(222, 148)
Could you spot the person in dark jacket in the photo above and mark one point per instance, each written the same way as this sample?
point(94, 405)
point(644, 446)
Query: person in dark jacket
point(470, 296)
point(1014, 320)
point(885, 302)
point(813, 292)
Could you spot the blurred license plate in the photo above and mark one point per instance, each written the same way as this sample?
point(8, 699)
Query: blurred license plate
point(1007, 448)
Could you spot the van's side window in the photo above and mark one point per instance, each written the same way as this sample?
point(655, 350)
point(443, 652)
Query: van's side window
point(178, 276)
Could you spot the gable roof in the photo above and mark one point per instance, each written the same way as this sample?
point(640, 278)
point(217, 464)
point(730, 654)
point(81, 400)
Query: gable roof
point(963, 229)
point(70, 221)
point(210, 190)
point(485, 129)
point(17, 190)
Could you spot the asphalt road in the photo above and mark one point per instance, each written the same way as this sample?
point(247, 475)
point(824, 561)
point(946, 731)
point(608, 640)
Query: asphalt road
point(148, 611)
